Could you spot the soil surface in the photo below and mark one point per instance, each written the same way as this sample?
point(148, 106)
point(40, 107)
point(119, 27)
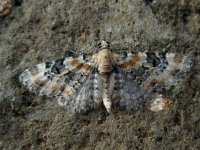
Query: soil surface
point(39, 31)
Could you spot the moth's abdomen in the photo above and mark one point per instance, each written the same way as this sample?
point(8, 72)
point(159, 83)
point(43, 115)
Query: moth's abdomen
point(106, 95)
point(107, 103)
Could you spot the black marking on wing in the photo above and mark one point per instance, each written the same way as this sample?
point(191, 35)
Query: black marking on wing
point(152, 59)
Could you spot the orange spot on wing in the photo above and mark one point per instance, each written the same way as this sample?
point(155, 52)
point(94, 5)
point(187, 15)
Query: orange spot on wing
point(58, 87)
point(86, 67)
point(41, 82)
point(34, 70)
point(75, 63)
point(131, 62)
point(174, 71)
point(177, 58)
point(151, 82)
point(80, 66)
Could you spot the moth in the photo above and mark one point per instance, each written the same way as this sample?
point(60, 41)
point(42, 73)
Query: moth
point(129, 81)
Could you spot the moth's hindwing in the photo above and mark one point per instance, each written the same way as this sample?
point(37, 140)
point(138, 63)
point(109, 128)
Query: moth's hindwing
point(126, 93)
point(87, 96)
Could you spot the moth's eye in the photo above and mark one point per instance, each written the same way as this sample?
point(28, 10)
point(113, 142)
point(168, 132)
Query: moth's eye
point(84, 57)
point(99, 45)
point(125, 54)
point(108, 44)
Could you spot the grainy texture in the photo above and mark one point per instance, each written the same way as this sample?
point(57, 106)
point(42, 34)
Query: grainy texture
point(5, 7)
point(40, 31)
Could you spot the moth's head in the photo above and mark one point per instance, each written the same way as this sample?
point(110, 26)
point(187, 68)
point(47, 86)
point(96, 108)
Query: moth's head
point(103, 45)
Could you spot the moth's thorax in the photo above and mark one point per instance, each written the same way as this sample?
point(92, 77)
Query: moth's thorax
point(105, 61)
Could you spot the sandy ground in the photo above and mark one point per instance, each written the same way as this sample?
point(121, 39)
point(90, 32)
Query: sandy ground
point(39, 31)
